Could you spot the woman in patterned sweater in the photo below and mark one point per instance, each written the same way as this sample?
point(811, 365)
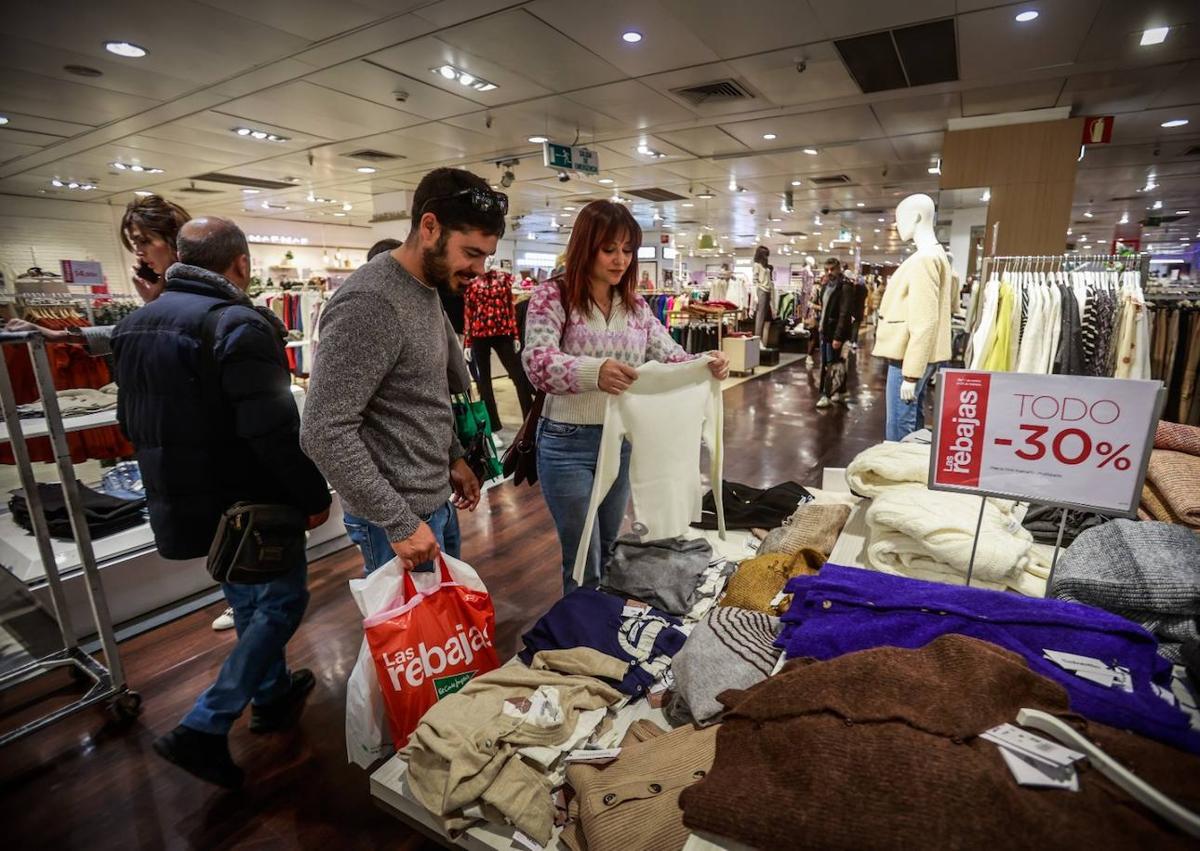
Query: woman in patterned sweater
point(586, 333)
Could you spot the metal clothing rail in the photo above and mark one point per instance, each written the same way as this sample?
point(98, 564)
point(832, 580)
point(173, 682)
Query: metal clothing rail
point(1068, 262)
point(107, 679)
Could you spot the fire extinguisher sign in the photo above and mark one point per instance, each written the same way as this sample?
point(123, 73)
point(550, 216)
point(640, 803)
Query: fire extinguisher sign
point(1050, 439)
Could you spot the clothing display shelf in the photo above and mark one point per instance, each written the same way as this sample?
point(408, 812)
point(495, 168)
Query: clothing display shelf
point(105, 682)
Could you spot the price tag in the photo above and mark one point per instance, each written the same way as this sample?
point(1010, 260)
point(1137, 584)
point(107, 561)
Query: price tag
point(1052, 439)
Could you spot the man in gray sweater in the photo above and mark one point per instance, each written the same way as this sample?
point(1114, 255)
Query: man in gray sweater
point(378, 421)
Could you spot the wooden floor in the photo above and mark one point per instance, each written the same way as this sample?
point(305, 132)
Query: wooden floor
point(82, 784)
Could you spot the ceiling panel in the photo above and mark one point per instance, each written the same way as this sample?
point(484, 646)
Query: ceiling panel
point(315, 110)
point(557, 117)
point(213, 131)
point(775, 75)
point(1139, 126)
point(699, 75)
point(917, 146)
point(992, 44)
point(116, 75)
point(705, 141)
point(1184, 89)
point(553, 57)
point(10, 150)
point(23, 92)
point(1014, 97)
point(312, 19)
point(376, 83)
point(705, 170)
point(667, 42)
point(814, 128)
point(417, 58)
point(1117, 31)
point(634, 103)
point(1127, 90)
point(917, 115)
point(873, 152)
point(730, 31)
point(848, 17)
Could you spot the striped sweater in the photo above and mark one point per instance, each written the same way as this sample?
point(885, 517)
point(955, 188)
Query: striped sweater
point(567, 365)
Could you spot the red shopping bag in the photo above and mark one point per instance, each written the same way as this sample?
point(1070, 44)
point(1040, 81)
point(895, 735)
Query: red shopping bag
point(428, 646)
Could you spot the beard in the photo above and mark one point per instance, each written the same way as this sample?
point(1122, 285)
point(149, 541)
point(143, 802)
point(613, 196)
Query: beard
point(437, 268)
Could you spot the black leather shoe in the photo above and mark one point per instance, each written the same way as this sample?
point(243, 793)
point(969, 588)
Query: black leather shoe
point(283, 714)
point(203, 755)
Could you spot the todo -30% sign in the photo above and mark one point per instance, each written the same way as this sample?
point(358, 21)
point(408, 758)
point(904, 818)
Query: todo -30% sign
point(1063, 440)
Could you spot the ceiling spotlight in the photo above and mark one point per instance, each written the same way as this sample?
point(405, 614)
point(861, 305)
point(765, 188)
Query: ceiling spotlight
point(142, 193)
point(795, 183)
point(1124, 219)
point(881, 219)
point(1174, 122)
point(706, 194)
point(538, 140)
point(260, 135)
point(605, 180)
point(449, 72)
point(687, 204)
point(1183, 212)
point(242, 131)
point(125, 48)
point(56, 183)
point(1157, 205)
point(569, 209)
point(340, 215)
point(860, 204)
point(631, 36)
point(531, 235)
point(986, 196)
point(347, 206)
point(366, 169)
point(1154, 35)
point(1026, 17)
point(812, 152)
point(250, 191)
point(770, 137)
point(118, 166)
point(1088, 214)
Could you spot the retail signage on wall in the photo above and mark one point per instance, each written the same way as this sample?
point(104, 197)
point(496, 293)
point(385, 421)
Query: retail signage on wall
point(570, 158)
point(276, 239)
point(82, 272)
point(1051, 439)
point(1097, 130)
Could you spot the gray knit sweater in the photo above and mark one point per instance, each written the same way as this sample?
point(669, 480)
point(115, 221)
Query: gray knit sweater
point(378, 421)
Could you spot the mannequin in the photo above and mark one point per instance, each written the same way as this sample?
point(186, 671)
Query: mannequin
point(914, 318)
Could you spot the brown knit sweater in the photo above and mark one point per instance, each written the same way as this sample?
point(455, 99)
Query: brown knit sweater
point(879, 749)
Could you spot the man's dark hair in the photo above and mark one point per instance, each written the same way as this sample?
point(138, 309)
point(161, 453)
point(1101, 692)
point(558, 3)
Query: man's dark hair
point(833, 261)
point(382, 246)
point(213, 244)
point(155, 215)
point(437, 193)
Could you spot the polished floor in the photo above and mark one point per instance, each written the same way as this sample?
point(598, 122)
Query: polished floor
point(84, 784)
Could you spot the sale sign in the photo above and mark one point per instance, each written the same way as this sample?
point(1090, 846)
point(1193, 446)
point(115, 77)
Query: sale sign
point(1051, 439)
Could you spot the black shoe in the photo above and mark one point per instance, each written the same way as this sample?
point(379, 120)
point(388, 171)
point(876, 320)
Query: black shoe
point(282, 714)
point(204, 755)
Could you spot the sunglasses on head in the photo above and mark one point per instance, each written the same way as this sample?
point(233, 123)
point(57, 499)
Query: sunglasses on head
point(483, 200)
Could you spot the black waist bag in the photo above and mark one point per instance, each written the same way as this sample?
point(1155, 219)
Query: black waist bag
point(255, 544)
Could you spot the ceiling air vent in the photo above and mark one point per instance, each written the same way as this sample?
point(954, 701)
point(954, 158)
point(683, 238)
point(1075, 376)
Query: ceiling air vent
point(239, 180)
point(372, 156)
point(655, 194)
point(718, 91)
point(830, 180)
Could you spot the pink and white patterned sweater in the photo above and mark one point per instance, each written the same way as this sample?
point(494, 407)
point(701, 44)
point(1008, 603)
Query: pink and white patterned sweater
point(569, 372)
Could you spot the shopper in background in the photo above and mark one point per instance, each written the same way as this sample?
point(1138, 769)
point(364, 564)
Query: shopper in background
point(378, 419)
point(573, 321)
point(861, 294)
point(837, 313)
point(205, 399)
point(764, 288)
point(491, 326)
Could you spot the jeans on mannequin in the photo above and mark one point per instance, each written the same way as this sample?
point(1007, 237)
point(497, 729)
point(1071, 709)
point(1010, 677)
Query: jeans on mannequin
point(903, 418)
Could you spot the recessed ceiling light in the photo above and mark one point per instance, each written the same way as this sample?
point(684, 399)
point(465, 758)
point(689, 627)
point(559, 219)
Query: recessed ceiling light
point(449, 72)
point(795, 183)
point(83, 71)
point(812, 152)
point(569, 209)
point(125, 48)
point(537, 140)
point(1174, 122)
point(1026, 17)
point(687, 204)
point(250, 191)
point(260, 135)
point(769, 136)
point(1088, 214)
point(881, 219)
point(1154, 35)
point(706, 194)
point(631, 36)
point(340, 215)
point(606, 180)
point(242, 131)
point(365, 169)
point(860, 204)
point(143, 193)
point(1183, 212)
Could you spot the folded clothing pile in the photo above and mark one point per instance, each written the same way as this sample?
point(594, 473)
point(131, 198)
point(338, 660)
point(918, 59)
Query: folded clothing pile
point(750, 508)
point(730, 648)
point(882, 749)
point(811, 526)
point(758, 583)
point(1148, 572)
point(1042, 521)
point(468, 756)
point(846, 609)
point(886, 465)
point(74, 401)
point(634, 802)
point(104, 514)
point(643, 638)
point(668, 574)
point(928, 534)
point(1171, 493)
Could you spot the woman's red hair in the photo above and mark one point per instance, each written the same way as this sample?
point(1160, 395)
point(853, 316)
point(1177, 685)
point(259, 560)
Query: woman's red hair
point(598, 224)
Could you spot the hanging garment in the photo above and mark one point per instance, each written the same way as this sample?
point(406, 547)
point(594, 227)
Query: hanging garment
point(1033, 334)
point(664, 469)
point(987, 321)
point(845, 609)
point(1053, 328)
point(1070, 360)
point(1000, 340)
point(1014, 333)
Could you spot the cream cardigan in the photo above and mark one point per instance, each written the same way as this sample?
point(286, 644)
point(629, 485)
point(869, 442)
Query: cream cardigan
point(914, 317)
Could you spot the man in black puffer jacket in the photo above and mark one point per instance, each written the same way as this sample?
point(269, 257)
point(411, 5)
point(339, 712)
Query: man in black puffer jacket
point(205, 399)
point(837, 316)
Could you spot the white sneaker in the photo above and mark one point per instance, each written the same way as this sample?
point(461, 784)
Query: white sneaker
point(223, 621)
point(823, 402)
point(809, 363)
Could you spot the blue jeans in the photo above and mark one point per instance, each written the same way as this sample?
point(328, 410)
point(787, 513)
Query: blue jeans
point(265, 617)
point(903, 418)
point(377, 551)
point(829, 355)
point(566, 464)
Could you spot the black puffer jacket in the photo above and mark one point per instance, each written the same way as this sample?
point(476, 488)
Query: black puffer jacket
point(838, 312)
point(209, 431)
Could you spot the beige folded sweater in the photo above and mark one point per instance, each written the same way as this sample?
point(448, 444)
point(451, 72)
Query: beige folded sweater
point(886, 465)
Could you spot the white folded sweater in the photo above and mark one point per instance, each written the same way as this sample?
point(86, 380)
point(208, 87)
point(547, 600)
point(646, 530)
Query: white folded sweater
point(926, 534)
point(886, 465)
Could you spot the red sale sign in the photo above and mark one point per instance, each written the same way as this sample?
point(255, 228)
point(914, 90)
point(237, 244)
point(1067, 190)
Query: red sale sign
point(1051, 439)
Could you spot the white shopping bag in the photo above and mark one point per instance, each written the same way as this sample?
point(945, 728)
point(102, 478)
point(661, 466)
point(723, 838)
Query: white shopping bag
point(367, 735)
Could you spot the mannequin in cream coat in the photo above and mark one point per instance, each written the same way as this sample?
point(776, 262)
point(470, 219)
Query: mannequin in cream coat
point(914, 318)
